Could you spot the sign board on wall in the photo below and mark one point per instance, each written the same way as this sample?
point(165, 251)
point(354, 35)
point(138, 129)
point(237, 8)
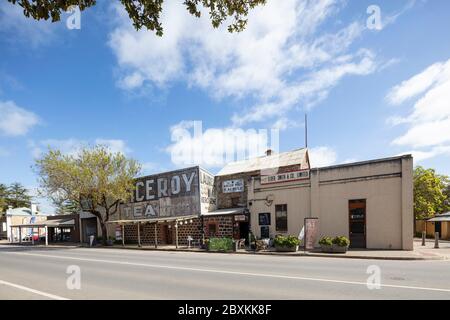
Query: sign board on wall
point(285, 177)
point(241, 217)
point(168, 194)
point(311, 232)
point(119, 233)
point(231, 186)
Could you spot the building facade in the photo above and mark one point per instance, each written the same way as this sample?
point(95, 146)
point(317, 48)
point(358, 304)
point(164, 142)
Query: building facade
point(370, 202)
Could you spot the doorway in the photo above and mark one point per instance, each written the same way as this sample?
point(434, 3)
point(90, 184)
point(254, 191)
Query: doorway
point(244, 229)
point(167, 234)
point(357, 223)
point(438, 228)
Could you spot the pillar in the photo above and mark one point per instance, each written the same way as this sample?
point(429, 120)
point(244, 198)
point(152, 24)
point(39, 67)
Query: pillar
point(46, 236)
point(139, 234)
point(80, 228)
point(123, 235)
point(156, 235)
point(176, 234)
point(20, 234)
point(407, 213)
point(315, 198)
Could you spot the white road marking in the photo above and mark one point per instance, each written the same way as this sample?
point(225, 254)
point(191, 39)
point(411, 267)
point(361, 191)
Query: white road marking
point(263, 275)
point(41, 293)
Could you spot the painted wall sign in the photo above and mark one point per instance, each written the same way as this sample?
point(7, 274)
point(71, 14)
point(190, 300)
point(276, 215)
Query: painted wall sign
point(170, 184)
point(285, 177)
point(168, 194)
point(231, 186)
point(208, 198)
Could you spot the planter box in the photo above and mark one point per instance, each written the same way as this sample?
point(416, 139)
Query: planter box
point(339, 249)
point(333, 249)
point(327, 248)
point(286, 249)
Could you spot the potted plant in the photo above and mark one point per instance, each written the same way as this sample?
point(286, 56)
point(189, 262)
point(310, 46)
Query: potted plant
point(341, 244)
point(220, 244)
point(286, 243)
point(326, 244)
point(110, 241)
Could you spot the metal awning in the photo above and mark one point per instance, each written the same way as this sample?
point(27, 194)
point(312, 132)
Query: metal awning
point(440, 218)
point(56, 223)
point(155, 220)
point(224, 212)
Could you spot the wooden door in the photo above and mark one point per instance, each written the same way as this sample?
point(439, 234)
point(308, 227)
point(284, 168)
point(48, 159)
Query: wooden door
point(357, 223)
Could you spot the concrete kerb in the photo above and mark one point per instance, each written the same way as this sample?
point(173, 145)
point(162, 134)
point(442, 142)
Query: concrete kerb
point(284, 254)
point(272, 253)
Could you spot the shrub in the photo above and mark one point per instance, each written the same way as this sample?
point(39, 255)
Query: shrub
point(326, 241)
point(220, 244)
point(341, 241)
point(289, 241)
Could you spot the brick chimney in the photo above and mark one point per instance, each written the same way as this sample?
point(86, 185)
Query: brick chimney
point(269, 152)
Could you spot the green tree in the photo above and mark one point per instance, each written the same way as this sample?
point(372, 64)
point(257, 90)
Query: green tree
point(147, 13)
point(3, 198)
point(64, 206)
point(429, 193)
point(18, 196)
point(96, 180)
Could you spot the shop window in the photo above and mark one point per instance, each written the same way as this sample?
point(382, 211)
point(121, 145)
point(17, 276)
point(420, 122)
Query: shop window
point(281, 218)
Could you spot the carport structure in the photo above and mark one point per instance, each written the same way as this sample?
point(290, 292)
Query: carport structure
point(46, 225)
point(174, 221)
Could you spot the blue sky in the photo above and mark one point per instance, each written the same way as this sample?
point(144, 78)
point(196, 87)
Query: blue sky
point(369, 93)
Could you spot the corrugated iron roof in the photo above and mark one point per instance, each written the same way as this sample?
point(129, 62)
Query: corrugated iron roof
point(440, 217)
point(296, 157)
point(55, 223)
point(224, 212)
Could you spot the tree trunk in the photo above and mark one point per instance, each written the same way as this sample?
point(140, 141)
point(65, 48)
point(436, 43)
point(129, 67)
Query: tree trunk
point(104, 233)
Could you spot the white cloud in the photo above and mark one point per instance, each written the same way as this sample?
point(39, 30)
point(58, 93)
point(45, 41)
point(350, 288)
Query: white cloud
point(73, 146)
point(14, 120)
point(114, 145)
point(281, 60)
point(322, 156)
point(17, 27)
point(417, 84)
point(429, 120)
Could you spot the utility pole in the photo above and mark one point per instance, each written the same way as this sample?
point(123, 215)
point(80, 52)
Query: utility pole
point(306, 130)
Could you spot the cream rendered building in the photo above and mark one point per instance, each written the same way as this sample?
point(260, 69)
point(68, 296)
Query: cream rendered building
point(370, 202)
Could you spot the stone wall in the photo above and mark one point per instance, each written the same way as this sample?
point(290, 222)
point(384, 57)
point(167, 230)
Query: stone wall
point(224, 227)
point(234, 199)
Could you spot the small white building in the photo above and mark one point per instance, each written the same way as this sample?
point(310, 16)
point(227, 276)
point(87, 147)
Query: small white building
point(21, 216)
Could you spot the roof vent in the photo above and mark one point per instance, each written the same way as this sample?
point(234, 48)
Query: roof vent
point(269, 152)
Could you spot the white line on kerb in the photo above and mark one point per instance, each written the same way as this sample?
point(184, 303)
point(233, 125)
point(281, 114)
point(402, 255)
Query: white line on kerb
point(227, 272)
point(18, 286)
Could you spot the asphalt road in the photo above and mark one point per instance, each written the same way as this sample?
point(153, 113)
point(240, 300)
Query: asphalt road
point(39, 273)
